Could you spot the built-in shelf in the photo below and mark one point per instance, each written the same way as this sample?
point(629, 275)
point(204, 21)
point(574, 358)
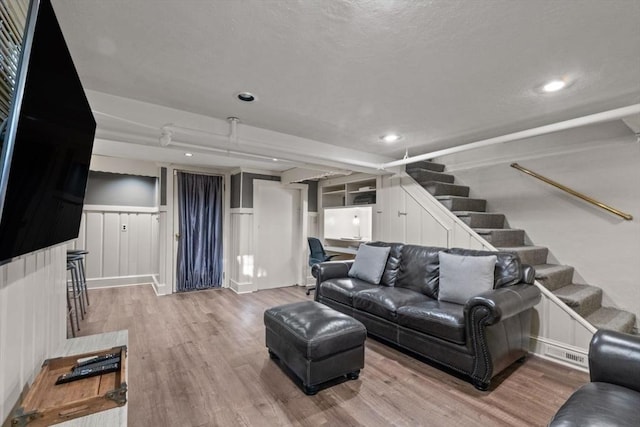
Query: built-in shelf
point(356, 193)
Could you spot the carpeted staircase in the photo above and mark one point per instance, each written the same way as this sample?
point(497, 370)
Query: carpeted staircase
point(584, 299)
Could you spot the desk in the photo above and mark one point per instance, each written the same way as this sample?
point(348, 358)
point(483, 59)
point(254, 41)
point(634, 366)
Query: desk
point(114, 417)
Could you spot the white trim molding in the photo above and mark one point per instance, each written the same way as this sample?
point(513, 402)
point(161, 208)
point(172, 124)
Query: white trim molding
point(117, 208)
point(112, 282)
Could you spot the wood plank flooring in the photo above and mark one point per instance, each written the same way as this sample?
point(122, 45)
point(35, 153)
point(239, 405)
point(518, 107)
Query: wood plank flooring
point(198, 359)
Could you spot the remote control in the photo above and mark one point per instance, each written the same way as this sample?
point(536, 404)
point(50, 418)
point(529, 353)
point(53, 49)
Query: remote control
point(97, 364)
point(95, 359)
point(87, 372)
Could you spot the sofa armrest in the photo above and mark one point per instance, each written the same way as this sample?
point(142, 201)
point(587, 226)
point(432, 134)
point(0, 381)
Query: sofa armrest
point(331, 270)
point(614, 357)
point(505, 302)
point(528, 274)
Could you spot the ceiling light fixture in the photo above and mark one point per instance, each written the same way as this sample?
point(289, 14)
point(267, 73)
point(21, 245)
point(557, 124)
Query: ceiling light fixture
point(246, 96)
point(188, 154)
point(554, 86)
point(390, 138)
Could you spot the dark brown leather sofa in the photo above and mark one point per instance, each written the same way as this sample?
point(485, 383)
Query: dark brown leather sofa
point(478, 339)
point(612, 398)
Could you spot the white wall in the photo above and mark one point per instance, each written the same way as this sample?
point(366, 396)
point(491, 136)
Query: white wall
point(601, 161)
point(32, 319)
point(118, 257)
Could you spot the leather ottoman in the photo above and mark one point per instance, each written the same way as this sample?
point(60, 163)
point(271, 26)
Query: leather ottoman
point(316, 342)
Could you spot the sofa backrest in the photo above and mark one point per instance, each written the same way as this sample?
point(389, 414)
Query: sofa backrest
point(508, 269)
point(393, 262)
point(419, 269)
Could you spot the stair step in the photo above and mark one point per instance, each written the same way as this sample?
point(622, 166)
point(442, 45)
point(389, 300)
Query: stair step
point(553, 276)
point(422, 175)
point(532, 255)
point(481, 219)
point(583, 299)
point(457, 203)
point(502, 237)
point(443, 189)
point(425, 164)
point(612, 318)
point(586, 300)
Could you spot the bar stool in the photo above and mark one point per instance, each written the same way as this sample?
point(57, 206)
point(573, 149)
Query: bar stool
point(72, 295)
point(77, 282)
point(77, 257)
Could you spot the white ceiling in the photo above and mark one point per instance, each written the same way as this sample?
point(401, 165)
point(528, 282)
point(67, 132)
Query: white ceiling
point(344, 72)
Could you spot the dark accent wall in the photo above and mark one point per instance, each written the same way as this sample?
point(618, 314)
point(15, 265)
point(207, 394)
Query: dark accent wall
point(312, 195)
point(105, 188)
point(235, 190)
point(163, 186)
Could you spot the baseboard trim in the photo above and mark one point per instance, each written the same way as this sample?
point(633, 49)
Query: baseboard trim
point(242, 287)
point(111, 282)
point(563, 354)
point(159, 288)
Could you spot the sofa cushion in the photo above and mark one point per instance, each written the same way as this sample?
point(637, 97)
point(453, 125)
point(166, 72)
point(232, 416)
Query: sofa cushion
point(369, 263)
point(418, 270)
point(599, 404)
point(393, 262)
point(462, 277)
point(385, 301)
point(438, 318)
point(508, 267)
point(343, 289)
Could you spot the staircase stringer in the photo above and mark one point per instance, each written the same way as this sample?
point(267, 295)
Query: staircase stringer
point(558, 332)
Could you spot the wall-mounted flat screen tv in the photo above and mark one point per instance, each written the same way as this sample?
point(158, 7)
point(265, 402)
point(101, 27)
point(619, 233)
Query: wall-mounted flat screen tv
point(47, 142)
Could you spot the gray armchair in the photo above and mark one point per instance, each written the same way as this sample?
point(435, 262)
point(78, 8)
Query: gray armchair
point(612, 398)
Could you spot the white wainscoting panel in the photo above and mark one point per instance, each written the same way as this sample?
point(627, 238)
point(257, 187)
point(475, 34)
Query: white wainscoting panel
point(32, 319)
point(241, 251)
point(121, 244)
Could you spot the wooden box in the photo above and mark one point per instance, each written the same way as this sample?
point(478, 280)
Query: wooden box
point(45, 403)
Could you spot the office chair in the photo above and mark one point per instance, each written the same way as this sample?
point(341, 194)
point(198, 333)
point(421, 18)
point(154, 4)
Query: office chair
point(316, 255)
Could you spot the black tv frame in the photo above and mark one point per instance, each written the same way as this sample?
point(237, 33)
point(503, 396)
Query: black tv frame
point(64, 130)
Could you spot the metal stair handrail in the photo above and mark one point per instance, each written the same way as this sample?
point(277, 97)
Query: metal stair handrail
point(573, 192)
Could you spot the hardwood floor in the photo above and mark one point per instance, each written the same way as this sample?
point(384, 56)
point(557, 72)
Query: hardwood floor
point(198, 359)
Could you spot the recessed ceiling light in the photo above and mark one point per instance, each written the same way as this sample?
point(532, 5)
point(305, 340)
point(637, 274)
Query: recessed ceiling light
point(274, 159)
point(246, 96)
point(554, 86)
point(391, 138)
point(188, 154)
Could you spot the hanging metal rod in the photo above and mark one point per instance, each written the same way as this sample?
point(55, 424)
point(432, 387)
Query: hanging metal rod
point(579, 195)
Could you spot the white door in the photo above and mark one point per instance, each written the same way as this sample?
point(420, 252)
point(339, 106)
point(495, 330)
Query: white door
point(277, 236)
point(394, 213)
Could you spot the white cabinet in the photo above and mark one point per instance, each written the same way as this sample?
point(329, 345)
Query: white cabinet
point(403, 219)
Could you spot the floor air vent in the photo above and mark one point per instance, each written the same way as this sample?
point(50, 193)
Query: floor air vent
point(568, 356)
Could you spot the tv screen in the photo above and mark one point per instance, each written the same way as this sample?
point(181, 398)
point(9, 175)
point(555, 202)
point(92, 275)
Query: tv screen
point(46, 143)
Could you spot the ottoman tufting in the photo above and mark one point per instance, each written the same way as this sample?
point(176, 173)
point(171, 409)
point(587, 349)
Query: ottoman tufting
point(316, 342)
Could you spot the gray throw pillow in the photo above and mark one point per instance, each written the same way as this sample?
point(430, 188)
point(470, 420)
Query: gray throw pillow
point(369, 263)
point(462, 277)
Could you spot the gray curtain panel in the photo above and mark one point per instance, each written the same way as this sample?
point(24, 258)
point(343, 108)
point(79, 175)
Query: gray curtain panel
point(200, 244)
